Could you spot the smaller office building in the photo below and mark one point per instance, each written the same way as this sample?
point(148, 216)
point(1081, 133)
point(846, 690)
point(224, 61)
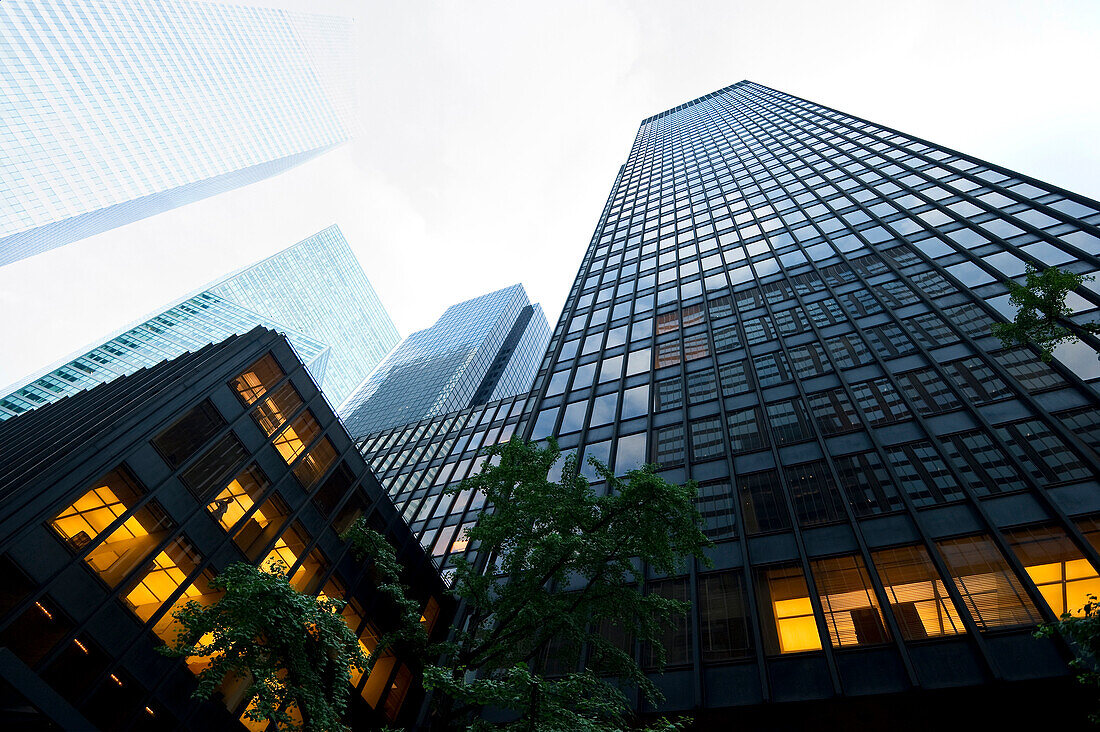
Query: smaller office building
point(120, 503)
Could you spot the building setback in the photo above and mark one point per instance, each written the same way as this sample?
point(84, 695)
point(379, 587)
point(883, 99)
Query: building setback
point(121, 502)
point(479, 350)
point(792, 306)
point(116, 110)
point(315, 292)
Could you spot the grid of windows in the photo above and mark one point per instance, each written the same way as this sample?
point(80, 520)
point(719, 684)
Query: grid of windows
point(842, 279)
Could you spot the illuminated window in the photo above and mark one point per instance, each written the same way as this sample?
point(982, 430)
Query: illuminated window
point(1057, 567)
point(167, 627)
point(128, 545)
point(917, 595)
point(786, 611)
point(259, 377)
point(852, 612)
point(462, 540)
point(163, 576)
point(402, 680)
point(238, 497)
point(273, 412)
point(310, 469)
point(430, 615)
point(287, 550)
point(383, 667)
point(261, 527)
point(292, 441)
point(990, 590)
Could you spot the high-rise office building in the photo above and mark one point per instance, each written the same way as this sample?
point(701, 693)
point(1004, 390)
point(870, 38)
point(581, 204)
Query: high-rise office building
point(318, 287)
point(481, 349)
point(120, 504)
point(792, 306)
point(119, 109)
point(315, 292)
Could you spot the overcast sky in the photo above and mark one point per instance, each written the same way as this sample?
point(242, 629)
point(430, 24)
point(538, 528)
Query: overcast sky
point(492, 132)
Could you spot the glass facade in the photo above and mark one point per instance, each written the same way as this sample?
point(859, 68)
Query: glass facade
point(792, 306)
point(480, 349)
point(118, 109)
point(314, 292)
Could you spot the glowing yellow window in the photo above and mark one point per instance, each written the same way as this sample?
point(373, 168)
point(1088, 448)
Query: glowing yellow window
point(237, 498)
point(273, 412)
point(259, 377)
point(431, 614)
point(93, 512)
point(168, 570)
point(785, 601)
point(917, 595)
point(1060, 572)
point(852, 612)
point(292, 441)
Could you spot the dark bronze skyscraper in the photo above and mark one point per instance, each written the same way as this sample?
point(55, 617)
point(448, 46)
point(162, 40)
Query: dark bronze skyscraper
point(792, 306)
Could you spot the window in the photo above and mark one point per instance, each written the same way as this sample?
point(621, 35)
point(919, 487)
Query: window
point(668, 354)
point(630, 453)
point(670, 445)
point(701, 386)
point(399, 688)
point(188, 434)
point(706, 439)
point(786, 613)
point(257, 380)
point(1028, 369)
point(990, 590)
point(970, 319)
point(333, 491)
point(930, 330)
point(826, 312)
point(789, 421)
point(880, 402)
point(867, 484)
point(259, 529)
point(759, 330)
point(635, 402)
point(852, 613)
point(726, 338)
point(310, 469)
point(1063, 575)
point(771, 369)
point(928, 392)
point(809, 360)
point(292, 441)
point(815, 498)
point(1041, 452)
point(715, 504)
point(695, 347)
point(762, 503)
point(724, 633)
point(238, 498)
point(166, 573)
point(669, 393)
point(746, 431)
point(985, 468)
point(677, 636)
point(889, 340)
point(848, 350)
point(976, 380)
point(273, 412)
point(791, 322)
point(859, 303)
point(917, 596)
point(734, 378)
point(896, 293)
point(924, 476)
point(833, 412)
point(214, 466)
point(82, 524)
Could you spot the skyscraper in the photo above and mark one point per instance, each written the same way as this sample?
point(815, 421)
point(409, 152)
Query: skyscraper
point(122, 502)
point(792, 306)
point(481, 349)
point(315, 292)
point(118, 109)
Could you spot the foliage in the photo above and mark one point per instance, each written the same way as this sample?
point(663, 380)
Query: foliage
point(1083, 633)
point(367, 544)
point(295, 649)
point(546, 537)
point(1041, 301)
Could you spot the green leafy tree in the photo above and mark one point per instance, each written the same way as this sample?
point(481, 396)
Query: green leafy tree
point(1042, 311)
point(567, 561)
point(1083, 634)
point(294, 650)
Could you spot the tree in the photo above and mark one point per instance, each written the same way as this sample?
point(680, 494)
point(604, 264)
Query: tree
point(1083, 634)
point(294, 650)
point(1042, 311)
point(567, 562)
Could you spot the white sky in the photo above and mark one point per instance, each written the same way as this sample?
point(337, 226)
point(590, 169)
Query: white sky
point(492, 132)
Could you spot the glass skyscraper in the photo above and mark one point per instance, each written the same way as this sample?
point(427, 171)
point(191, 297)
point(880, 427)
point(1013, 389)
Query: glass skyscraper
point(481, 349)
point(314, 292)
point(792, 306)
point(118, 109)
